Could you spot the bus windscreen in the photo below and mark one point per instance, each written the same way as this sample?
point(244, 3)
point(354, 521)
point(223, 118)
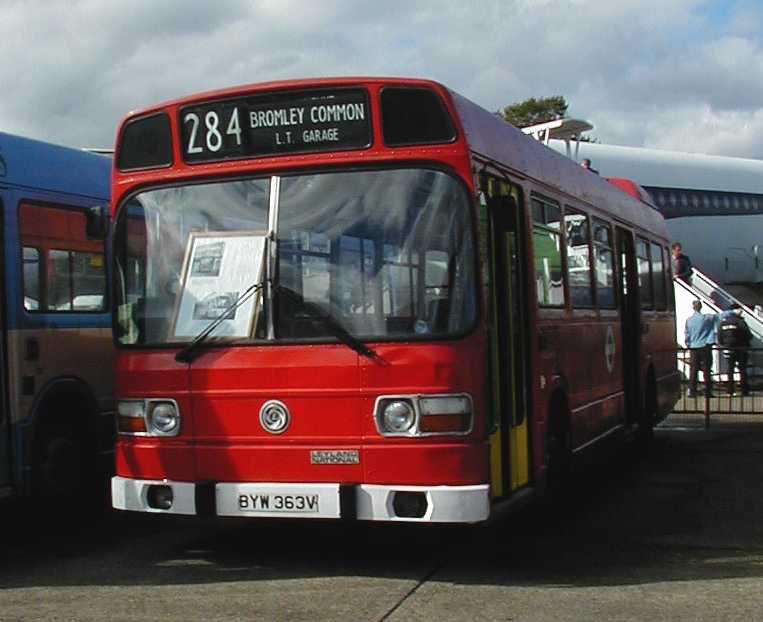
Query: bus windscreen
point(386, 254)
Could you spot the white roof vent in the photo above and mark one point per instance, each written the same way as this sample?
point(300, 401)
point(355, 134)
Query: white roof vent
point(560, 129)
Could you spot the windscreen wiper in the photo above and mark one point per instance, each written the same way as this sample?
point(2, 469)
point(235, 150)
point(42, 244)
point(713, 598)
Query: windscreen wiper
point(339, 331)
point(189, 353)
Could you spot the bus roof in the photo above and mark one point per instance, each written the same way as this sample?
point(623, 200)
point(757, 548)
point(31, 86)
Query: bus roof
point(36, 164)
point(503, 143)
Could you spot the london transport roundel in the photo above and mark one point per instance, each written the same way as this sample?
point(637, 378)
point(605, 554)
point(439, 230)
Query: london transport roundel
point(609, 349)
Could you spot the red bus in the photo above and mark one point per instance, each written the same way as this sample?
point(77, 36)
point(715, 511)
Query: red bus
point(370, 298)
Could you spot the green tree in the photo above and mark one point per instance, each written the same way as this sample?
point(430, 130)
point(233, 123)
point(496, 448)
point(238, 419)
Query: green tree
point(533, 111)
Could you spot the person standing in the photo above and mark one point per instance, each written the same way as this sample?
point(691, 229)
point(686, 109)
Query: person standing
point(735, 336)
point(699, 335)
point(586, 164)
point(681, 264)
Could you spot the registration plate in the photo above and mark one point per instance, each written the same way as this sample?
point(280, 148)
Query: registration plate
point(259, 502)
point(277, 500)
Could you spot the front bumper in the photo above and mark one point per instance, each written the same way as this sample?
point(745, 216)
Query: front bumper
point(424, 504)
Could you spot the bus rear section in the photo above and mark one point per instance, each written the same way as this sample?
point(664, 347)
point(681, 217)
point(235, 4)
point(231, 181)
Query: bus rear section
point(344, 374)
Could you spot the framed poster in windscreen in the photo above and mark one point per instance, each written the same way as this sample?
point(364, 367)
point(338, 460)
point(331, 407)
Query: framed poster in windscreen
point(222, 275)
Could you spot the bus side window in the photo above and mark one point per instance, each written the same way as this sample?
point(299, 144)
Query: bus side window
point(604, 256)
point(63, 269)
point(31, 259)
point(579, 262)
point(88, 281)
point(59, 280)
point(547, 253)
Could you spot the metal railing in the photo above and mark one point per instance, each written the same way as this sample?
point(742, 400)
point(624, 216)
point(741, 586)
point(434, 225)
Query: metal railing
point(720, 392)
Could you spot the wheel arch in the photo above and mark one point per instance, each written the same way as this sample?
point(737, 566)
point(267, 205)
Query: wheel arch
point(66, 401)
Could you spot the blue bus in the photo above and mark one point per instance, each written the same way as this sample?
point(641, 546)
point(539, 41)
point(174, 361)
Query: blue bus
point(56, 419)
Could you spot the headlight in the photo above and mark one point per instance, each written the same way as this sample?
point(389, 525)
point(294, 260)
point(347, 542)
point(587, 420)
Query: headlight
point(163, 417)
point(424, 415)
point(152, 417)
point(398, 416)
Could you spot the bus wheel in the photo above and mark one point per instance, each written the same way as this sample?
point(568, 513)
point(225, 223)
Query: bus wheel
point(558, 455)
point(60, 462)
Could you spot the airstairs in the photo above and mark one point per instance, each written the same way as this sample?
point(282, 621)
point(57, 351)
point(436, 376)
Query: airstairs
point(715, 299)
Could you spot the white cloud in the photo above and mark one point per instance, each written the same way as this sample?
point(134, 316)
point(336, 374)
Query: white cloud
point(704, 130)
point(639, 69)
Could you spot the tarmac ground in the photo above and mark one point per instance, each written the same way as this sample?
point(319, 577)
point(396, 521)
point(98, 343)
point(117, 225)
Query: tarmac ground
point(675, 534)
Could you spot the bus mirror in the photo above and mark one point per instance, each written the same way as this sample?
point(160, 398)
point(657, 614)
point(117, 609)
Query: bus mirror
point(97, 222)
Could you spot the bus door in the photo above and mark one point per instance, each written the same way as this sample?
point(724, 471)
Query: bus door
point(509, 443)
point(627, 283)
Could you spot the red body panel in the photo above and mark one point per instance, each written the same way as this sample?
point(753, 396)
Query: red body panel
point(594, 389)
point(143, 458)
point(330, 395)
point(146, 374)
point(319, 385)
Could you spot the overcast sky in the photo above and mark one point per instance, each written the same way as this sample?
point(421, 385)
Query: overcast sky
point(673, 74)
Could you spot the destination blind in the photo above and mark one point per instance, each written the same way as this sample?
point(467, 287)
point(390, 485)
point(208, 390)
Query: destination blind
point(281, 123)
